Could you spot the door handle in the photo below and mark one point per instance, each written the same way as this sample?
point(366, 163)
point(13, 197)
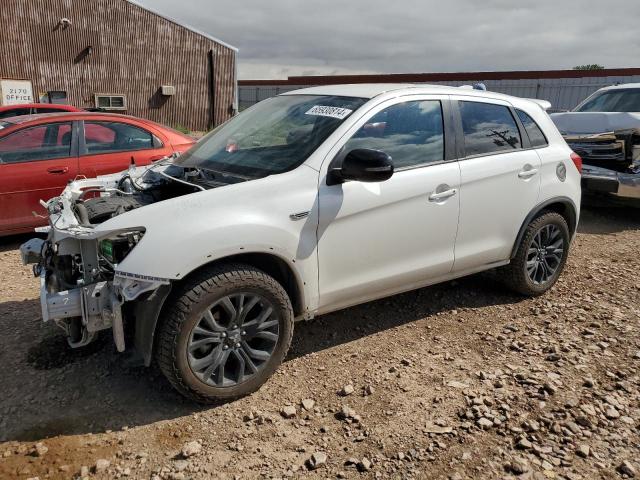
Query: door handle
point(57, 170)
point(155, 158)
point(437, 197)
point(527, 173)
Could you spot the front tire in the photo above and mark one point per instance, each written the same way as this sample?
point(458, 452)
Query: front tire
point(224, 333)
point(541, 255)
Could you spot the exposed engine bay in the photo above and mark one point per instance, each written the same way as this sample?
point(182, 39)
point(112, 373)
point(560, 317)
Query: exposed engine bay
point(609, 145)
point(81, 287)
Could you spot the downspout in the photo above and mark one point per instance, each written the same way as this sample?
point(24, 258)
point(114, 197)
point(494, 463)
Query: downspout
point(212, 89)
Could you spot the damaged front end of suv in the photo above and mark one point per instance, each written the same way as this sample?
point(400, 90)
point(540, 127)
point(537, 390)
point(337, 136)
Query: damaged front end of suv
point(611, 157)
point(82, 288)
point(605, 131)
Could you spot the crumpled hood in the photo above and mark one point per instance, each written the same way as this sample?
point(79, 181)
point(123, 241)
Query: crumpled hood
point(583, 123)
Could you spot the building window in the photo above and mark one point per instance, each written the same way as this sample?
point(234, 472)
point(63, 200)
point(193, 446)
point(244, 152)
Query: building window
point(107, 101)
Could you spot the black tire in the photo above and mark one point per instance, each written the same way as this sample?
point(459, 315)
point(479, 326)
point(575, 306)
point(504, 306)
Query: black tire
point(516, 276)
point(185, 311)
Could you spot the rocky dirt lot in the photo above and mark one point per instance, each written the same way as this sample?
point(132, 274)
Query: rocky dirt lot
point(461, 380)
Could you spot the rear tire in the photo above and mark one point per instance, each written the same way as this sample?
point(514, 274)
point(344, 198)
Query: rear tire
point(541, 255)
point(224, 333)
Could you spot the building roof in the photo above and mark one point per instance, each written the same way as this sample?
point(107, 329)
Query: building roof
point(137, 3)
point(444, 77)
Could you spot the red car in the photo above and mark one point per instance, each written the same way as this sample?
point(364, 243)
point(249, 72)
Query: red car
point(40, 154)
point(34, 108)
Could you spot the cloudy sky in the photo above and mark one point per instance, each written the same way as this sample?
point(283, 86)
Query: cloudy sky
point(278, 38)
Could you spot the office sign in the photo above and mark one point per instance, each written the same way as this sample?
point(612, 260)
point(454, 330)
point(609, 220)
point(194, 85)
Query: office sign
point(15, 92)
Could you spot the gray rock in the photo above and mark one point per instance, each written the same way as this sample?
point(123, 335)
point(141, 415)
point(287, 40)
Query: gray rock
point(583, 451)
point(364, 465)
point(627, 468)
point(484, 423)
point(40, 449)
point(180, 465)
point(101, 465)
point(191, 448)
point(288, 411)
point(317, 460)
point(308, 404)
point(519, 466)
point(524, 444)
point(347, 390)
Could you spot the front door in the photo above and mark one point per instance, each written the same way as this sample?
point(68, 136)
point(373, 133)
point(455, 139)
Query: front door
point(500, 183)
point(376, 239)
point(111, 146)
point(36, 163)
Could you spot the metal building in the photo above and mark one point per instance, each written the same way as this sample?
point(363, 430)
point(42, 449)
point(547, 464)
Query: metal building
point(563, 88)
point(117, 55)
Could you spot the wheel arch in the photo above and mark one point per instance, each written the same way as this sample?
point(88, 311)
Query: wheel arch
point(562, 205)
point(146, 319)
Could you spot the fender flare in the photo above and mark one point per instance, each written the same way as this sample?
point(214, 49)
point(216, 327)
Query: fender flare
point(571, 212)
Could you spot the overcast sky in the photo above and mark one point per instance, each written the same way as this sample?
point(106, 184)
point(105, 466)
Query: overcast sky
point(278, 38)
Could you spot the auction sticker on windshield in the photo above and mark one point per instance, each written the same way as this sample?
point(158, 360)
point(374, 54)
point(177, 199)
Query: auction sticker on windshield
point(325, 111)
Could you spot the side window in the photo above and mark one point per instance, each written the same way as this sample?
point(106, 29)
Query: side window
point(536, 137)
point(488, 128)
point(412, 133)
point(108, 137)
point(49, 110)
point(16, 112)
point(44, 142)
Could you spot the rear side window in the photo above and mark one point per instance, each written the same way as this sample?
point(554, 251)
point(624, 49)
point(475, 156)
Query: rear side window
point(411, 133)
point(44, 142)
point(16, 112)
point(49, 110)
point(536, 137)
point(108, 137)
point(488, 128)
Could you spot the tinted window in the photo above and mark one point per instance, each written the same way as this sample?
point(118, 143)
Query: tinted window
point(15, 112)
point(107, 137)
point(619, 100)
point(536, 137)
point(44, 142)
point(49, 110)
point(488, 128)
point(410, 132)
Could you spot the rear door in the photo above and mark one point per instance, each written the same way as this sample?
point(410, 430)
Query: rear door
point(109, 146)
point(500, 181)
point(36, 163)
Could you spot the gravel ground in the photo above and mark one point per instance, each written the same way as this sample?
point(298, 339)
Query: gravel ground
point(460, 380)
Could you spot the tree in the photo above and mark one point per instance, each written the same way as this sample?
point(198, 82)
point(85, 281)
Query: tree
point(593, 66)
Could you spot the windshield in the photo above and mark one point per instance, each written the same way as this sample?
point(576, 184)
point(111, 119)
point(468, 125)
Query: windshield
point(273, 136)
point(619, 100)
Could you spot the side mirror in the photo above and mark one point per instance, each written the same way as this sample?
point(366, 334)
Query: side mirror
point(362, 165)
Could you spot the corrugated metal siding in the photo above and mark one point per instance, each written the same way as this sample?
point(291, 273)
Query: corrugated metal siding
point(134, 52)
point(563, 93)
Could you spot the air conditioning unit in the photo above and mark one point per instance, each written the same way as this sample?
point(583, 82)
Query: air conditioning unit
point(168, 90)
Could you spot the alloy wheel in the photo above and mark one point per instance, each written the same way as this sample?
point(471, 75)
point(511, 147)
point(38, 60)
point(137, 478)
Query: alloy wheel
point(545, 254)
point(233, 340)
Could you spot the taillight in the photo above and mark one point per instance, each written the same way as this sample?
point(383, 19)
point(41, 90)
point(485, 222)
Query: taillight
point(577, 161)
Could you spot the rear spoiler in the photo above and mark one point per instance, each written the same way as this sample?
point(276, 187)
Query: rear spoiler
point(546, 105)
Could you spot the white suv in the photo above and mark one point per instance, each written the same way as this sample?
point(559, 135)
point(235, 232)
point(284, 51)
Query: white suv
point(306, 203)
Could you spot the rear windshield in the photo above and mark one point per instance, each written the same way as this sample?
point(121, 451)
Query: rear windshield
point(619, 100)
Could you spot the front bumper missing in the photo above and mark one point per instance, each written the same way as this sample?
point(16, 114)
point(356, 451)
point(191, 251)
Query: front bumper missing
point(597, 179)
point(98, 305)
